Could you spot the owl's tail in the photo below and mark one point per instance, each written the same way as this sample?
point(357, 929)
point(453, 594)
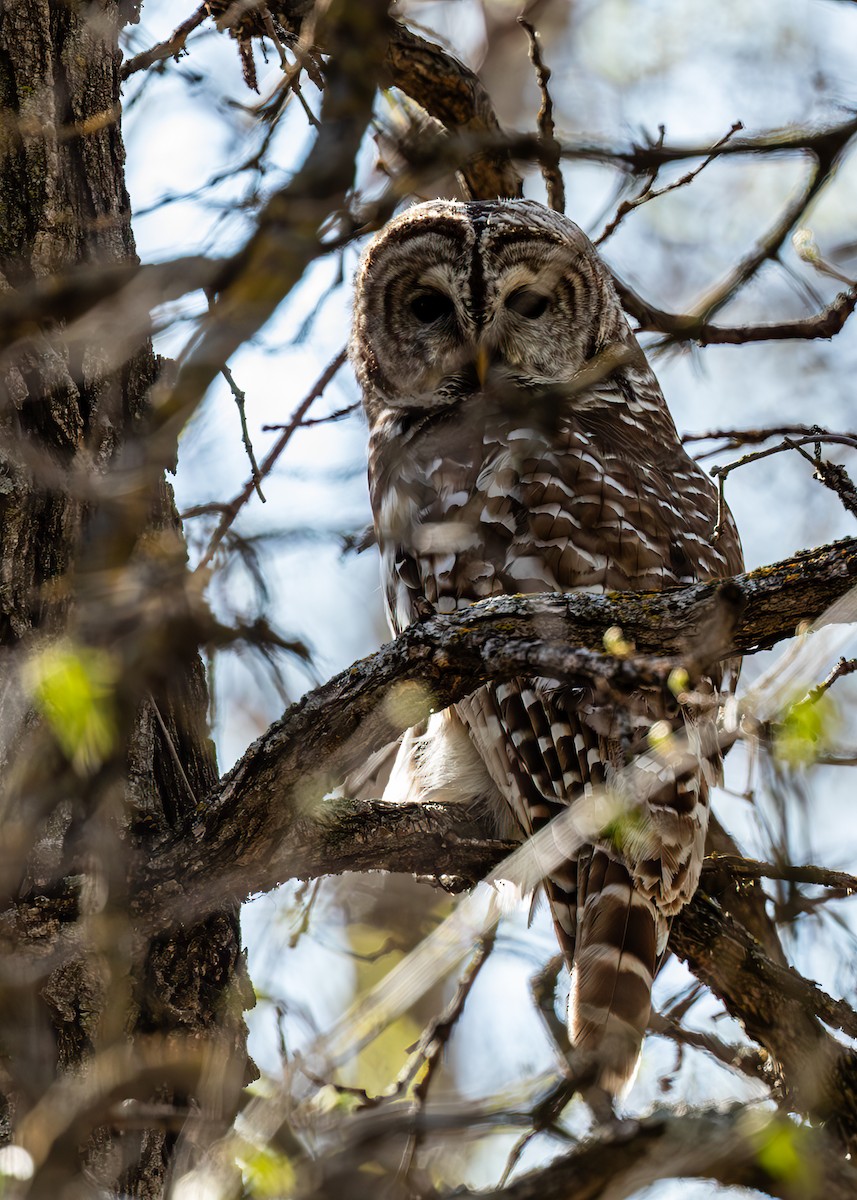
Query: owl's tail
point(615, 952)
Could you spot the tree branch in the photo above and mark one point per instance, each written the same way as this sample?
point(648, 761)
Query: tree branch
point(826, 323)
point(777, 1007)
point(266, 821)
point(737, 1148)
point(638, 159)
point(172, 47)
point(741, 1147)
point(456, 97)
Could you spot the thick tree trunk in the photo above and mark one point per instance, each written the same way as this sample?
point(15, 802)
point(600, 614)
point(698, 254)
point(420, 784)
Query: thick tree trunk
point(66, 414)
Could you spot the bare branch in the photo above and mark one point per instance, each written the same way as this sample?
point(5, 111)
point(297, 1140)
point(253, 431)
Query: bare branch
point(746, 1059)
point(551, 169)
point(733, 439)
point(240, 404)
point(649, 192)
point(641, 158)
point(451, 93)
point(832, 475)
point(265, 822)
point(427, 1056)
point(747, 868)
point(171, 48)
point(777, 1007)
point(693, 328)
point(231, 510)
point(726, 1147)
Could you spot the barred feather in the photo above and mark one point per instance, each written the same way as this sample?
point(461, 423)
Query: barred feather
point(613, 971)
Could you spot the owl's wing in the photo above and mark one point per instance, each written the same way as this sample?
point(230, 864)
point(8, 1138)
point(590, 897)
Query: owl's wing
point(585, 508)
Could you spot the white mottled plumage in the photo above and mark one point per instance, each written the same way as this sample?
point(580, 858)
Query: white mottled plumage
point(492, 470)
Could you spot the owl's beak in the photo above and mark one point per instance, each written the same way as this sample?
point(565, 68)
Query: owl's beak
point(483, 364)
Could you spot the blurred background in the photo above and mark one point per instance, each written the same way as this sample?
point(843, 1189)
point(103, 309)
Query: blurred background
point(621, 70)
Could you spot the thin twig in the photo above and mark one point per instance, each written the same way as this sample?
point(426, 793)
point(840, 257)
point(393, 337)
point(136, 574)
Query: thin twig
point(551, 163)
point(806, 248)
point(650, 193)
point(271, 31)
point(543, 1119)
point(845, 666)
point(273, 106)
point(302, 924)
point(543, 992)
point(747, 1059)
point(231, 510)
point(171, 748)
point(334, 416)
point(240, 401)
point(720, 472)
point(733, 439)
point(831, 475)
point(171, 48)
point(433, 1041)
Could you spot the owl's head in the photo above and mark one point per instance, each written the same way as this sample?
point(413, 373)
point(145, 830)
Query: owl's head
point(450, 295)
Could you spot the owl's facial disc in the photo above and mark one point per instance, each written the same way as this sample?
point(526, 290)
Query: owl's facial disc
point(421, 302)
point(457, 299)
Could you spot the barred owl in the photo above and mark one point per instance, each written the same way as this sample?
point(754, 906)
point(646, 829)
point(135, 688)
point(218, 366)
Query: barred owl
point(493, 469)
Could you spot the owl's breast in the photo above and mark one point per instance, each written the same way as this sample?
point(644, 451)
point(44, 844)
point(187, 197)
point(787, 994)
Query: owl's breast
point(478, 507)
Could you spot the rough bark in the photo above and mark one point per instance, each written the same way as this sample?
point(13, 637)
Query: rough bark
point(63, 205)
point(267, 821)
point(739, 1147)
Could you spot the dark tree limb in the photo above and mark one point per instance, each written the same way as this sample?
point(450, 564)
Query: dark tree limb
point(736, 1148)
point(777, 1007)
point(747, 868)
point(741, 1147)
point(456, 97)
point(693, 328)
point(266, 821)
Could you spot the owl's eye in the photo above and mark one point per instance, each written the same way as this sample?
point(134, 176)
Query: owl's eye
point(527, 303)
point(430, 306)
